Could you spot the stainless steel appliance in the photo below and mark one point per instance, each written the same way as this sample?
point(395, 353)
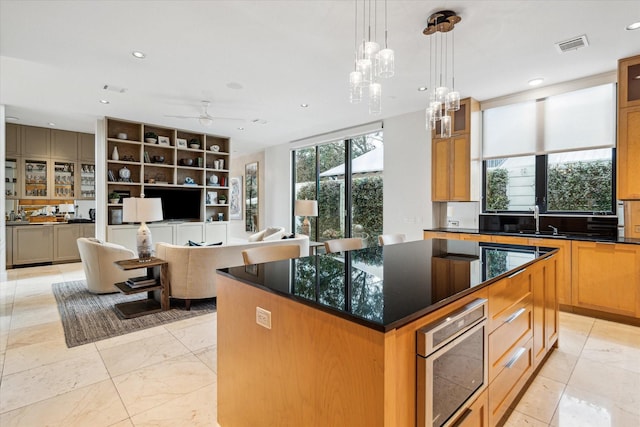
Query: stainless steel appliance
point(452, 365)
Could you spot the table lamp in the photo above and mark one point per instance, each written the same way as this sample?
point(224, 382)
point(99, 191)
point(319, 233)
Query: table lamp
point(139, 209)
point(306, 208)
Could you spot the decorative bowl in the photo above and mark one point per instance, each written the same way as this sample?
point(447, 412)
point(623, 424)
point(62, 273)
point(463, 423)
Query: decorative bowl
point(122, 135)
point(151, 140)
point(186, 162)
point(214, 148)
point(158, 159)
point(194, 146)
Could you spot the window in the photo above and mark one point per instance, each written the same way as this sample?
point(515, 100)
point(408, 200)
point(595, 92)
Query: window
point(556, 153)
point(346, 178)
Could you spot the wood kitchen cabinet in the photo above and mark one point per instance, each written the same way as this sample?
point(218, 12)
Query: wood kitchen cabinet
point(450, 274)
point(12, 139)
point(64, 144)
point(545, 310)
point(606, 277)
point(32, 244)
point(8, 245)
point(632, 219)
point(35, 141)
point(65, 247)
point(451, 157)
point(628, 141)
point(477, 415)
point(86, 147)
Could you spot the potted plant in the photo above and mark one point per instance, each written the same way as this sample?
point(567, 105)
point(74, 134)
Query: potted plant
point(222, 199)
point(114, 198)
point(151, 137)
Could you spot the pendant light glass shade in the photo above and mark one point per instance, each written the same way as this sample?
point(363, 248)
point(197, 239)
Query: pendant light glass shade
point(445, 126)
point(386, 63)
point(375, 98)
point(453, 101)
point(355, 87)
point(369, 50)
point(364, 66)
point(441, 94)
point(436, 110)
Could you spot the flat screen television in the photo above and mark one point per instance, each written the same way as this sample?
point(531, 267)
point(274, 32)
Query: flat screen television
point(178, 203)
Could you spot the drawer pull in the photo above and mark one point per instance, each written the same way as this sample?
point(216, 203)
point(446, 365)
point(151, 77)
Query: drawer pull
point(515, 357)
point(515, 315)
point(516, 273)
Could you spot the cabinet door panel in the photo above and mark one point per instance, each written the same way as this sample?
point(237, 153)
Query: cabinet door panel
point(12, 139)
point(440, 170)
point(87, 147)
point(64, 144)
point(628, 154)
point(461, 168)
point(35, 141)
point(32, 244)
point(65, 247)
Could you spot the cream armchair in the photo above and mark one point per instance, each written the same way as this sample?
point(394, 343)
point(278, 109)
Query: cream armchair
point(98, 263)
point(191, 270)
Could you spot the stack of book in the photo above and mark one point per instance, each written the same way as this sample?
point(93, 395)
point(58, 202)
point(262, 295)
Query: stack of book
point(141, 282)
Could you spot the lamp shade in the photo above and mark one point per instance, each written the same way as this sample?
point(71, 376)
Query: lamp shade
point(136, 209)
point(306, 208)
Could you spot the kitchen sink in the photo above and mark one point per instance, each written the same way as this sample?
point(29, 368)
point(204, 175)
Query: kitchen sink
point(542, 235)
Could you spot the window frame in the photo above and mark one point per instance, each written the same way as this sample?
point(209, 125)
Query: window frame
point(540, 193)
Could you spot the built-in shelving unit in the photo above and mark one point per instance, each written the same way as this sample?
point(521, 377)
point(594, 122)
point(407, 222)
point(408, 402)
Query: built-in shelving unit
point(174, 158)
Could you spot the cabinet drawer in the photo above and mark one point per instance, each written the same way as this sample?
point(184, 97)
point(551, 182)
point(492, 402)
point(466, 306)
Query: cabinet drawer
point(502, 342)
point(506, 386)
point(477, 415)
point(506, 295)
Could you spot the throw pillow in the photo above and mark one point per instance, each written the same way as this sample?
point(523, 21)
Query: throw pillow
point(192, 243)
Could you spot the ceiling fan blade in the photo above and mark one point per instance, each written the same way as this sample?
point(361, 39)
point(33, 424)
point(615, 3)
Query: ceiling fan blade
point(182, 117)
point(224, 118)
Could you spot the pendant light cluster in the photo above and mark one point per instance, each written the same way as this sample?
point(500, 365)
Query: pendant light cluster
point(443, 100)
point(370, 63)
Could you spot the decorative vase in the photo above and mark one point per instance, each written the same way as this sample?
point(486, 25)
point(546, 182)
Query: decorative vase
point(124, 173)
point(114, 154)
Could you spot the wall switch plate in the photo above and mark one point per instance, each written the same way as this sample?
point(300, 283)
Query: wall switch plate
point(263, 317)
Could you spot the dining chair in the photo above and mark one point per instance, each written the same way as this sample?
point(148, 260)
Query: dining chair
point(389, 239)
point(339, 245)
point(270, 253)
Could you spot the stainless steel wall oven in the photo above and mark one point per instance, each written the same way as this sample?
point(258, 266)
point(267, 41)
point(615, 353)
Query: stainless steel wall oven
point(452, 365)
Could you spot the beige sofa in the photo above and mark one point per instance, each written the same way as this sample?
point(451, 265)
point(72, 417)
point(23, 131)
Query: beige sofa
point(192, 269)
point(98, 259)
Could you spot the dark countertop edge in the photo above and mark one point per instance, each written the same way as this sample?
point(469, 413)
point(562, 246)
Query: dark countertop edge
point(626, 240)
point(23, 223)
point(401, 322)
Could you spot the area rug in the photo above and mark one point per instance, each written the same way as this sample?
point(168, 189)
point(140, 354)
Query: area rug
point(88, 317)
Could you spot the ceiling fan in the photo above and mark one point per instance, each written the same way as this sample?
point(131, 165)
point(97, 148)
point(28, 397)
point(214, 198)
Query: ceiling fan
point(205, 118)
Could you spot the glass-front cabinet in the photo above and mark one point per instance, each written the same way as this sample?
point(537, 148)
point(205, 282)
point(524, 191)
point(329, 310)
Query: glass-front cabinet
point(64, 179)
point(36, 178)
point(87, 181)
point(11, 178)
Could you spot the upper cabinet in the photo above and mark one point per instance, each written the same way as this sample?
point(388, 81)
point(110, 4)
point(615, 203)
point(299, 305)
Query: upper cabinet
point(451, 157)
point(64, 144)
point(86, 147)
point(35, 141)
point(12, 139)
point(628, 144)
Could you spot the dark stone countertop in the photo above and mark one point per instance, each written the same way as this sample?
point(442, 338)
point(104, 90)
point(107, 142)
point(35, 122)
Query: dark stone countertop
point(386, 287)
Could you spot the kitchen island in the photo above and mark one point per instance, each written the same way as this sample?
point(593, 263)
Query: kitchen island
point(330, 340)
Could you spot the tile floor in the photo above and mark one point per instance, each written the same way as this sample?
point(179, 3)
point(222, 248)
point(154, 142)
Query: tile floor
point(166, 376)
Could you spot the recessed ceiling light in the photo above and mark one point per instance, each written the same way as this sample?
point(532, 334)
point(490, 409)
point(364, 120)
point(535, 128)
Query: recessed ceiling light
point(240, 128)
point(304, 105)
point(51, 124)
point(633, 26)
point(422, 88)
point(104, 101)
point(536, 82)
point(138, 54)
point(11, 118)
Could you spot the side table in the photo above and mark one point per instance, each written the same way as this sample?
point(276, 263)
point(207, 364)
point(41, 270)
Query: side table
point(128, 310)
point(314, 246)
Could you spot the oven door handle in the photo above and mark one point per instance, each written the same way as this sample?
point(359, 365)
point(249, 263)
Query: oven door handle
point(515, 357)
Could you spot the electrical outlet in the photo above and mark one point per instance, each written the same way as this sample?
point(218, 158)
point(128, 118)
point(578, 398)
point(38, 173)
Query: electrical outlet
point(263, 317)
point(453, 223)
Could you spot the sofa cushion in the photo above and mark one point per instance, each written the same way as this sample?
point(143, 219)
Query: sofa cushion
point(192, 243)
point(257, 237)
point(276, 235)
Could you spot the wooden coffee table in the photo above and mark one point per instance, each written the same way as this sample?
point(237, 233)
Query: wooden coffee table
point(157, 293)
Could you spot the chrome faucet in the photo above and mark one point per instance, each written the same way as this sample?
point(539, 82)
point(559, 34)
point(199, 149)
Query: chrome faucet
point(536, 217)
point(555, 230)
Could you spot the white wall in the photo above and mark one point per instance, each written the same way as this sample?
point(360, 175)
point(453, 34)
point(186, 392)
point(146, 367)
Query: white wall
point(407, 178)
point(3, 242)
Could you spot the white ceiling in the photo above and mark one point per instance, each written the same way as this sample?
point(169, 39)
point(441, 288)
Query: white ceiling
point(56, 56)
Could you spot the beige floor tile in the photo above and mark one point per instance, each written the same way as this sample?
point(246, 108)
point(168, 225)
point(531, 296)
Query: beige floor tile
point(579, 408)
point(139, 354)
point(613, 354)
point(127, 338)
point(124, 423)
point(559, 366)
point(96, 405)
point(518, 419)
point(571, 342)
point(617, 384)
point(617, 333)
point(154, 385)
point(541, 399)
point(27, 387)
point(575, 323)
point(44, 353)
point(37, 316)
point(209, 357)
point(195, 409)
point(197, 336)
point(192, 321)
point(51, 331)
